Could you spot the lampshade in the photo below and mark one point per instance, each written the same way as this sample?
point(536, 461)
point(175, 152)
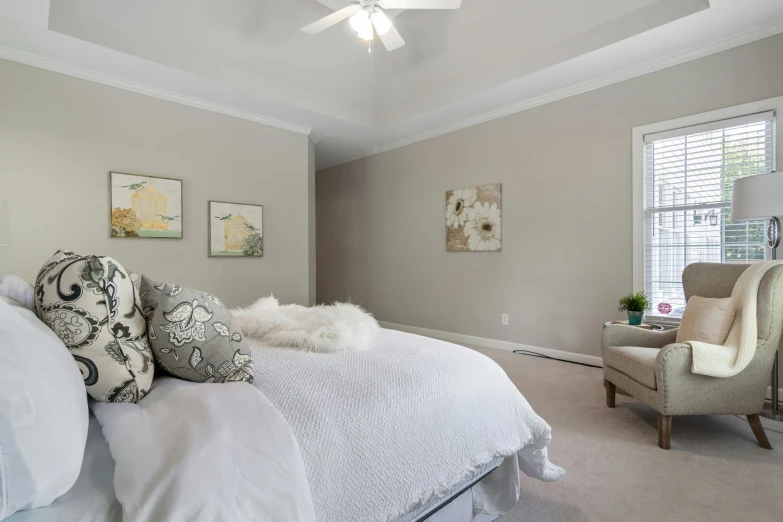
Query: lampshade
point(757, 197)
point(5, 234)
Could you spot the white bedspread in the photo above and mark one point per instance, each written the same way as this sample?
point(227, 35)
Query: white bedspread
point(384, 431)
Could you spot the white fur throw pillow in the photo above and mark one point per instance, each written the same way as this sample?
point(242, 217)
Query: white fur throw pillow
point(707, 320)
point(339, 327)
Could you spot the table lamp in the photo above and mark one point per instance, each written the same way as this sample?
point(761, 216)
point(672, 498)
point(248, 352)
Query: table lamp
point(754, 198)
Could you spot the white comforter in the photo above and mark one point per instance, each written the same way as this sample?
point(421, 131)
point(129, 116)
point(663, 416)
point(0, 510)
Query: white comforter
point(384, 431)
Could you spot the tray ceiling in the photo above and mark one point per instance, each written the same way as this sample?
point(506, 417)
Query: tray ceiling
point(249, 57)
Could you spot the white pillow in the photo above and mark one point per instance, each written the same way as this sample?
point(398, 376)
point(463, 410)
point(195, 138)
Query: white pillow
point(707, 320)
point(43, 413)
point(17, 289)
point(195, 452)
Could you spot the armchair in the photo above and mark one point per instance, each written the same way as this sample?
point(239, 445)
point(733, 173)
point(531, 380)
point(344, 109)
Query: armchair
point(651, 367)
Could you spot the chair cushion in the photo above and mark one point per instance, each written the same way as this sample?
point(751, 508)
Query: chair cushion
point(636, 362)
point(707, 320)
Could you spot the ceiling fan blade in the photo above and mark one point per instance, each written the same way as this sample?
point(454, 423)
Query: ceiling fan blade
point(421, 4)
point(392, 39)
point(328, 21)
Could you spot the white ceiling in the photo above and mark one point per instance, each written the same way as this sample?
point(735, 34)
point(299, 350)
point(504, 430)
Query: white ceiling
point(247, 58)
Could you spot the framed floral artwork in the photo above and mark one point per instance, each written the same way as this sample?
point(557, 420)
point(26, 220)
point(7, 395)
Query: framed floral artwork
point(235, 229)
point(145, 206)
point(473, 219)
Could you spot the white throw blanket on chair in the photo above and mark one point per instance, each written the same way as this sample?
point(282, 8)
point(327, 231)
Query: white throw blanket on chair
point(339, 327)
point(740, 346)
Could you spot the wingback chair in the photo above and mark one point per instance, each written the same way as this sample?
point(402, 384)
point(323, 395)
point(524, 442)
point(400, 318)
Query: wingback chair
point(651, 367)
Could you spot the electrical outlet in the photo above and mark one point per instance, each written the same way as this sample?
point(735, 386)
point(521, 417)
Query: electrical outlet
point(504, 319)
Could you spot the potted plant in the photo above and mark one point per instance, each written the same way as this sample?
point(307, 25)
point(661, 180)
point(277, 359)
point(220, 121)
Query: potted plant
point(635, 305)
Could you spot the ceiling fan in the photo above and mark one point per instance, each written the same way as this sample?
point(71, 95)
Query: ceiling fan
point(368, 18)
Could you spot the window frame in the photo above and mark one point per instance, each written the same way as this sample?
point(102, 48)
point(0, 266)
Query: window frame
point(638, 180)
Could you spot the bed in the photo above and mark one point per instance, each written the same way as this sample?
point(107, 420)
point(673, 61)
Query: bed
point(92, 498)
point(405, 424)
point(416, 429)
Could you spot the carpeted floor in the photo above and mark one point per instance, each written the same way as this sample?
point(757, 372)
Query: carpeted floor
point(615, 471)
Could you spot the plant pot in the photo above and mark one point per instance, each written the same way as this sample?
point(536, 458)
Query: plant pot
point(635, 318)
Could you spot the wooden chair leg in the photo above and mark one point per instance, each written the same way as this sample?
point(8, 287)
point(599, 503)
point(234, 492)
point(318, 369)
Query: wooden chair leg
point(758, 431)
point(664, 430)
point(610, 391)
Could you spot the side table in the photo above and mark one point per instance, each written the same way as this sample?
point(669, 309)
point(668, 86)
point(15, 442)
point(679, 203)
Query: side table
point(645, 326)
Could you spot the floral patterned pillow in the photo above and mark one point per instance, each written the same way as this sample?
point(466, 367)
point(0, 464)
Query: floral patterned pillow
point(92, 305)
point(193, 335)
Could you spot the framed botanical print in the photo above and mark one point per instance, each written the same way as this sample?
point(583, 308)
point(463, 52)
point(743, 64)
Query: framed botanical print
point(473, 219)
point(145, 206)
point(235, 229)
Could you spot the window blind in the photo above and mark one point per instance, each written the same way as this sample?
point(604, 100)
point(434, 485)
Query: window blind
point(688, 179)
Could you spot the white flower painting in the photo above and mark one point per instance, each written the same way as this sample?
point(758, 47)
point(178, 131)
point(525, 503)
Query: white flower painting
point(457, 206)
point(473, 219)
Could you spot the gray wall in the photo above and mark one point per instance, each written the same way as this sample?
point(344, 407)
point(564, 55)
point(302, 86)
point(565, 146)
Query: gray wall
point(59, 138)
point(567, 239)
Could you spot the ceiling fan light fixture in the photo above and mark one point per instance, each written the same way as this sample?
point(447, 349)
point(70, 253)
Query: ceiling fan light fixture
point(367, 17)
point(360, 21)
point(366, 33)
point(381, 22)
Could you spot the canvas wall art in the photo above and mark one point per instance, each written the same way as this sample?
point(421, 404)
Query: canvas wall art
point(145, 206)
point(473, 219)
point(236, 230)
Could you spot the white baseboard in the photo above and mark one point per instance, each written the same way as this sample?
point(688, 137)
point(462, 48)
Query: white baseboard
point(769, 393)
point(506, 346)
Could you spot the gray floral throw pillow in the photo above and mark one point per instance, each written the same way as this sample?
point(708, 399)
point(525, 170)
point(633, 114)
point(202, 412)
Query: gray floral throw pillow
point(193, 335)
point(91, 303)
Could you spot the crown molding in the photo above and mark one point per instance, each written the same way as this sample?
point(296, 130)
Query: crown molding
point(113, 81)
point(724, 44)
point(620, 76)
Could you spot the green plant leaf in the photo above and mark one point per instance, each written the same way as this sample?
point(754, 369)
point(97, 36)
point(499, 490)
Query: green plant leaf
point(638, 302)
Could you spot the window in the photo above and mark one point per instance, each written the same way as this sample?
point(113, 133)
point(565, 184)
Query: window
point(684, 195)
